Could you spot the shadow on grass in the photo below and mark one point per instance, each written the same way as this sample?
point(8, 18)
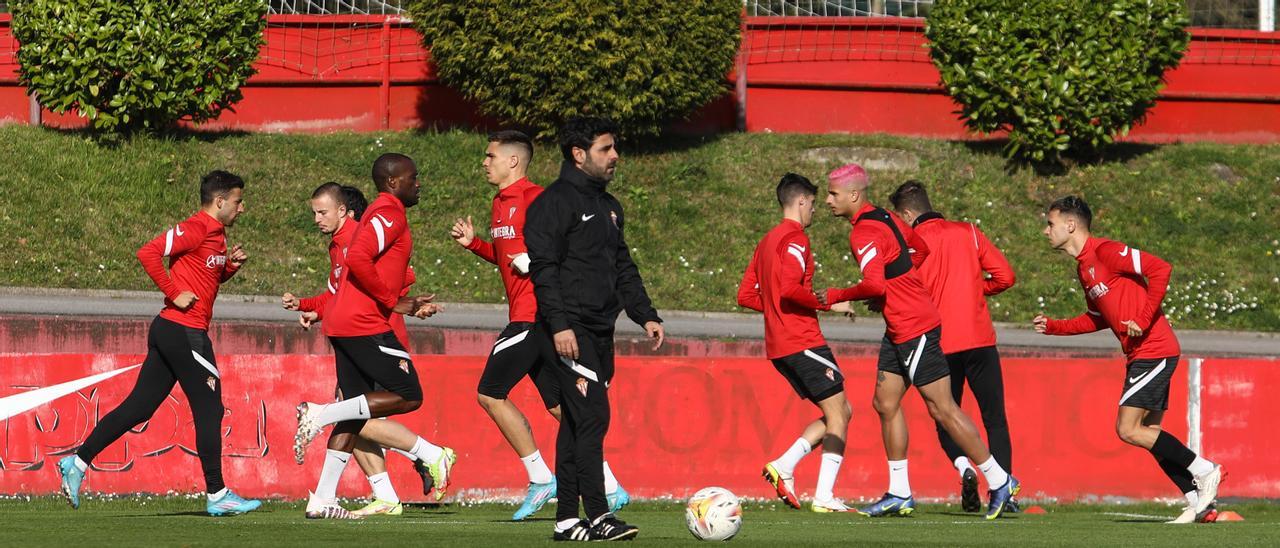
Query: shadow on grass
point(1115, 153)
point(179, 134)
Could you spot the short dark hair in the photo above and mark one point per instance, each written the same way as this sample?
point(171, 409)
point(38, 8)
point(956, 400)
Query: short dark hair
point(330, 189)
point(911, 195)
point(218, 183)
point(387, 166)
point(793, 186)
point(513, 137)
point(354, 200)
point(581, 131)
point(1074, 206)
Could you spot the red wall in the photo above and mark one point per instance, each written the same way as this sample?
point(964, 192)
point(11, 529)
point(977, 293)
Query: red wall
point(679, 424)
point(813, 75)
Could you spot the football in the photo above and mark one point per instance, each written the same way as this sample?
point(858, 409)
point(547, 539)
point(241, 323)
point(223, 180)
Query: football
point(713, 514)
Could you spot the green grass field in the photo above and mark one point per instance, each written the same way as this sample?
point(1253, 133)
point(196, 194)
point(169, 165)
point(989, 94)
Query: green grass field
point(181, 521)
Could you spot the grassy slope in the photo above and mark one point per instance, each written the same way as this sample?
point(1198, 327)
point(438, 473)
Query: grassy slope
point(73, 212)
point(168, 522)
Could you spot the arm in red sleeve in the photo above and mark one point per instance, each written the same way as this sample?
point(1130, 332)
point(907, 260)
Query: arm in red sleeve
point(229, 271)
point(1085, 323)
point(360, 255)
point(749, 289)
point(174, 242)
point(314, 303)
point(867, 250)
point(791, 281)
point(483, 249)
point(994, 263)
point(1157, 272)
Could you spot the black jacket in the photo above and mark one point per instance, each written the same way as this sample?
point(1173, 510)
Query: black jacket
point(581, 267)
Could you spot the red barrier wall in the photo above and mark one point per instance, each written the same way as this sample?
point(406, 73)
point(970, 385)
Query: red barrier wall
point(679, 424)
point(811, 75)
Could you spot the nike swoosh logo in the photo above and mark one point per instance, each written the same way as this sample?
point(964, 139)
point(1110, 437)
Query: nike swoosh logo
point(865, 248)
point(26, 401)
point(177, 229)
point(799, 248)
point(384, 221)
point(1125, 252)
point(1137, 378)
point(586, 217)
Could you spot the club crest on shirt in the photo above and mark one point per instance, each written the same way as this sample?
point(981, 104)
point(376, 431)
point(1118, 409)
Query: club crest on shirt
point(212, 382)
point(614, 216)
point(831, 374)
point(404, 365)
point(1091, 276)
point(511, 214)
point(582, 386)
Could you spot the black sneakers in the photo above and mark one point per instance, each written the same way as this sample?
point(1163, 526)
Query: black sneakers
point(969, 499)
point(606, 528)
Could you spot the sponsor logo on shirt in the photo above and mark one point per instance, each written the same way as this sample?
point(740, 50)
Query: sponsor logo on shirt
point(1096, 292)
point(504, 232)
point(215, 261)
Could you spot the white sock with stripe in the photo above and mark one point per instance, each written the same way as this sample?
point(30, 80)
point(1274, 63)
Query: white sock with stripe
point(786, 464)
point(404, 453)
point(827, 476)
point(334, 463)
point(426, 450)
point(537, 468)
point(996, 476)
point(610, 482)
point(962, 465)
point(382, 488)
point(899, 481)
point(356, 408)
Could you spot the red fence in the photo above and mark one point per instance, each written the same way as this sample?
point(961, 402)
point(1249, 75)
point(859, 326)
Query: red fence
point(679, 425)
point(859, 75)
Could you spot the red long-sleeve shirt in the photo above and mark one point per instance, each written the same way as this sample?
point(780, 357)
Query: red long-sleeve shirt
point(779, 282)
point(1122, 283)
point(197, 252)
point(507, 230)
point(953, 273)
point(908, 310)
point(374, 272)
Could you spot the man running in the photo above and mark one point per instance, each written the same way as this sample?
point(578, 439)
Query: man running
point(178, 347)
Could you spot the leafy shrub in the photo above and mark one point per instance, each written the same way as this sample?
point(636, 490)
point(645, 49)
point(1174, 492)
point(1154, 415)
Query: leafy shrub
point(641, 63)
point(1063, 77)
point(138, 64)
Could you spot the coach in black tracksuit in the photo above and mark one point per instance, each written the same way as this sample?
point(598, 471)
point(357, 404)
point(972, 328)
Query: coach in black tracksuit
point(583, 276)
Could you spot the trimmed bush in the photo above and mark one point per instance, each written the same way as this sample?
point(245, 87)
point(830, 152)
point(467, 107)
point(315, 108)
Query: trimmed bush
point(1063, 77)
point(641, 63)
point(138, 64)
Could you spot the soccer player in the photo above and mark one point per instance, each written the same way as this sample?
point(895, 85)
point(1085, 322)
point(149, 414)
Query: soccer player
point(779, 282)
point(374, 371)
point(955, 273)
point(178, 346)
point(1123, 290)
point(337, 210)
point(583, 276)
point(888, 253)
point(515, 355)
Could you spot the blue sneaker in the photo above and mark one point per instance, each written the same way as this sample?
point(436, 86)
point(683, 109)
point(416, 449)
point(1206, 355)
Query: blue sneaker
point(890, 505)
point(539, 494)
point(72, 477)
point(231, 504)
point(1000, 497)
point(618, 500)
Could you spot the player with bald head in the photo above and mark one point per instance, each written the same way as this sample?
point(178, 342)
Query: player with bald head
point(888, 253)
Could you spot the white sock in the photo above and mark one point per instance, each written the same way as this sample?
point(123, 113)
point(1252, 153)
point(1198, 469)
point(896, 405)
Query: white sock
point(786, 464)
point(996, 476)
point(334, 463)
point(899, 481)
point(1200, 466)
point(82, 465)
point(537, 468)
point(426, 451)
point(1192, 497)
point(218, 495)
point(962, 464)
point(404, 453)
point(610, 482)
point(346, 410)
point(827, 476)
point(382, 488)
point(564, 524)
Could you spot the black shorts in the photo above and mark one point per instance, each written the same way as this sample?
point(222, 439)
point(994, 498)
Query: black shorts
point(375, 363)
point(813, 373)
point(1146, 383)
point(518, 352)
point(919, 361)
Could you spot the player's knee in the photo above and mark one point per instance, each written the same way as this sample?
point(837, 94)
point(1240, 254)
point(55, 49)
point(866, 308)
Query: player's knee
point(489, 403)
point(942, 411)
point(1127, 433)
point(884, 407)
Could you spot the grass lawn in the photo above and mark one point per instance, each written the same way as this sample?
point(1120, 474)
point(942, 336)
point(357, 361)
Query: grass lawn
point(181, 521)
point(74, 211)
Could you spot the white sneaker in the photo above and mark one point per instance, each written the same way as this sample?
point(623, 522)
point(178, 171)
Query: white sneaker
point(1188, 515)
point(1207, 487)
point(824, 506)
point(308, 428)
point(326, 509)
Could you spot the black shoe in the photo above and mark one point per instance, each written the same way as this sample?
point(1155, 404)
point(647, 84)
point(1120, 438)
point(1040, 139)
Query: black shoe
point(608, 527)
point(1012, 507)
point(580, 532)
point(425, 473)
point(969, 499)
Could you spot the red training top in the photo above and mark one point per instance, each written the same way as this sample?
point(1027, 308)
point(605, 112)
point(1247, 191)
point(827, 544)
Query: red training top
point(197, 251)
point(375, 272)
point(959, 255)
point(1121, 283)
point(507, 230)
point(908, 310)
point(779, 282)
